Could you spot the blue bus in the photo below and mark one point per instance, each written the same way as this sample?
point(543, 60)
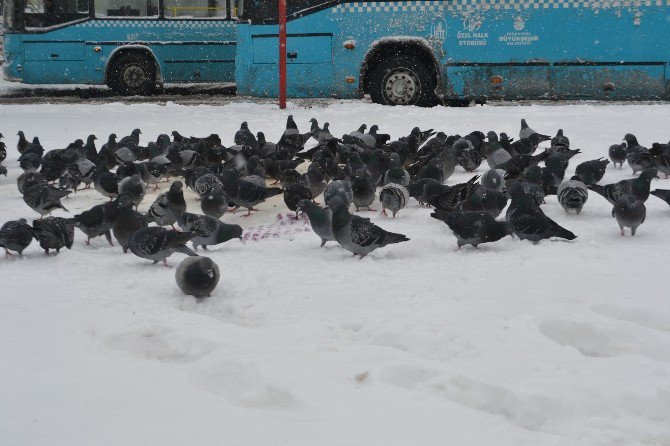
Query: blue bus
point(130, 45)
point(425, 52)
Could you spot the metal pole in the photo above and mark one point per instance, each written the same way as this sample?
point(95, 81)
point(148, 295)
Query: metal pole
point(282, 54)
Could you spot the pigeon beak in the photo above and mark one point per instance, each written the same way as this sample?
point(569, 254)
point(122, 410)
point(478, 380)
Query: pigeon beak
point(243, 240)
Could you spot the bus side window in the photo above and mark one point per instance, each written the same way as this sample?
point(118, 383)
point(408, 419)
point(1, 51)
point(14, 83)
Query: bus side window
point(126, 8)
point(237, 8)
point(46, 13)
point(197, 9)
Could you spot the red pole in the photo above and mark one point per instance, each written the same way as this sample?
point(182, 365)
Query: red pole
point(282, 54)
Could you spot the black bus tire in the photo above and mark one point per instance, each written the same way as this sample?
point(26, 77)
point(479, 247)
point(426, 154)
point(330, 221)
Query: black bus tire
point(403, 80)
point(132, 74)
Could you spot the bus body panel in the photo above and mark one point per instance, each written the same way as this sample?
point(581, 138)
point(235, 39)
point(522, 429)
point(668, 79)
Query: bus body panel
point(510, 49)
point(185, 50)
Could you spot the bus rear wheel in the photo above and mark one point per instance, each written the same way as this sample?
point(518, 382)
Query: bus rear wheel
point(403, 80)
point(132, 74)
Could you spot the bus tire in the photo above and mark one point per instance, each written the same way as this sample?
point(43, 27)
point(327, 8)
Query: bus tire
point(403, 80)
point(132, 74)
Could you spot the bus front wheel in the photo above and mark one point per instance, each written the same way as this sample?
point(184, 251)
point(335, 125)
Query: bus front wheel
point(403, 80)
point(132, 74)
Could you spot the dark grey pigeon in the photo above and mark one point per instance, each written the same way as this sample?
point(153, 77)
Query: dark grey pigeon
point(636, 187)
point(22, 144)
point(157, 244)
point(472, 227)
point(434, 170)
point(133, 187)
point(3, 170)
point(247, 192)
point(320, 219)
point(485, 200)
point(132, 139)
point(98, 221)
point(83, 170)
point(527, 219)
point(265, 148)
point(28, 179)
point(396, 174)
point(358, 235)
point(54, 233)
point(493, 179)
point(315, 180)
point(417, 189)
point(617, 153)
point(107, 183)
point(207, 184)
point(572, 195)
point(244, 137)
point(16, 236)
point(208, 230)
point(663, 194)
point(341, 189)
point(294, 194)
point(197, 276)
point(441, 196)
point(30, 162)
point(214, 204)
point(44, 199)
point(363, 189)
point(152, 172)
point(629, 213)
point(590, 172)
point(128, 221)
point(560, 140)
point(167, 206)
point(393, 197)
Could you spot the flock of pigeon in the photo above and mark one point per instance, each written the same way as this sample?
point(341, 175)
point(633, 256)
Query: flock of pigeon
point(354, 170)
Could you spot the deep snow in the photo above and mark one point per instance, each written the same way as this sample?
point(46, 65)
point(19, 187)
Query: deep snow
point(564, 343)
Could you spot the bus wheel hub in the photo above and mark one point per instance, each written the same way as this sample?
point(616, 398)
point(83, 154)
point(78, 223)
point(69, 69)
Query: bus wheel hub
point(134, 76)
point(401, 86)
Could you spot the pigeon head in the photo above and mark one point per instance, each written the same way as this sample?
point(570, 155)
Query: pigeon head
point(112, 137)
point(91, 138)
point(325, 126)
point(125, 201)
point(374, 128)
point(244, 125)
point(336, 204)
point(177, 186)
point(533, 174)
point(630, 139)
point(136, 132)
point(362, 128)
point(492, 136)
point(36, 140)
point(504, 137)
point(524, 124)
point(648, 174)
point(229, 232)
point(304, 205)
point(515, 190)
point(20, 134)
point(261, 137)
point(313, 121)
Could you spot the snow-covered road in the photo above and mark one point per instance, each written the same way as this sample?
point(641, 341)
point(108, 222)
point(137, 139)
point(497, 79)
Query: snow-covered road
point(564, 343)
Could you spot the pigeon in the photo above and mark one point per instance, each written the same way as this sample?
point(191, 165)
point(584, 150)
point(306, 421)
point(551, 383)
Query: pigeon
point(44, 199)
point(358, 235)
point(560, 140)
point(527, 220)
point(244, 137)
point(363, 189)
point(264, 147)
point(493, 179)
point(433, 170)
point(54, 233)
point(294, 194)
point(359, 133)
point(320, 219)
point(208, 230)
point(290, 177)
point(98, 221)
point(396, 174)
point(315, 180)
point(22, 144)
point(660, 155)
point(167, 206)
point(542, 178)
point(572, 195)
point(133, 187)
point(30, 162)
point(83, 170)
point(157, 244)
point(470, 159)
point(16, 236)
point(472, 227)
point(247, 193)
point(132, 139)
point(197, 276)
point(590, 172)
point(214, 204)
point(617, 154)
point(526, 132)
point(557, 164)
point(341, 189)
point(91, 150)
point(393, 197)
point(107, 183)
point(3, 150)
point(416, 189)
point(128, 221)
point(292, 139)
point(449, 197)
point(3, 170)
point(500, 156)
point(663, 194)
point(638, 157)
point(486, 200)
point(636, 187)
point(152, 172)
point(207, 184)
point(29, 179)
point(125, 155)
point(629, 213)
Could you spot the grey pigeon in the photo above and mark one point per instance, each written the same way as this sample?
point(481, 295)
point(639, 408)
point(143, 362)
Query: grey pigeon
point(98, 221)
point(152, 172)
point(167, 206)
point(663, 194)
point(28, 179)
point(214, 204)
point(393, 197)
point(44, 199)
point(107, 183)
point(315, 180)
point(244, 137)
point(493, 179)
point(434, 169)
point(560, 140)
point(320, 219)
point(247, 193)
point(449, 197)
point(358, 235)
point(54, 233)
point(472, 227)
point(528, 221)
point(572, 195)
point(197, 276)
point(636, 187)
point(133, 138)
point(84, 170)
point(590, 172)
point(360, 132)
point(16, 236)
point(208, 230)
point(498, 157)
point(133, 187)
point(396, 174)
point(128, 221)
point(617, 154)
point(526, 132)
point(364, 190)
point(629, 213)
point(486, 200)
point(341, 189)
point(157, 244)
point(207, 184)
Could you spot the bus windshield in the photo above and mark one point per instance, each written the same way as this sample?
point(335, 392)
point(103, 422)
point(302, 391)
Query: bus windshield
point(266, 11)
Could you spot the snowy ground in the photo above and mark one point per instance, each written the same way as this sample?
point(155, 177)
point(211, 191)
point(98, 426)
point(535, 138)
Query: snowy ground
point(565, 343)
